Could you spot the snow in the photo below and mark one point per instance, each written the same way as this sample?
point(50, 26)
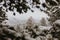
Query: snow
point(57, 22)
point(45, 27)
point(42, 1)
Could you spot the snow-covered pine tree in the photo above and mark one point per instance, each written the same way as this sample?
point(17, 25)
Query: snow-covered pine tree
point(30, 22)
point(43, 22)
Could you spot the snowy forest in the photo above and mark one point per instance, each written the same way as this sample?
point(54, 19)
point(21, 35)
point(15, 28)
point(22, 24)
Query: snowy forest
point(29, 19)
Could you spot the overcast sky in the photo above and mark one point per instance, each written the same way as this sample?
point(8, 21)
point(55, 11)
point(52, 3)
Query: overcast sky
point(37, 15)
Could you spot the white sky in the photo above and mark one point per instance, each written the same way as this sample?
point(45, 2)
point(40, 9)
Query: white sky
point(37, 15)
